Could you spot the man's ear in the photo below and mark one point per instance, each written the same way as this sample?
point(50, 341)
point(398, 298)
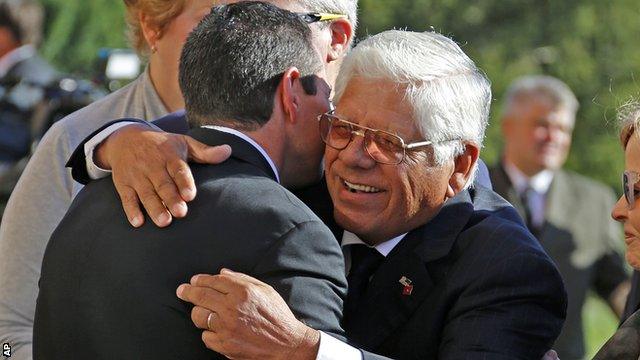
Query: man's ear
point(341, 35)
point(464, 166)
point(289, 96)
point(150, 31)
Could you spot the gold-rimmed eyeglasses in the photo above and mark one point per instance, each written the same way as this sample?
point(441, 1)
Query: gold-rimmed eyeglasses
point(312, 17)
point(383, 146)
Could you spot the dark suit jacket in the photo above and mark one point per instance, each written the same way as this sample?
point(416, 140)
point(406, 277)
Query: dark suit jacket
point(108, 290)
point(633, 301)
point(482, 289)
point(581, 238)
point(625, 343)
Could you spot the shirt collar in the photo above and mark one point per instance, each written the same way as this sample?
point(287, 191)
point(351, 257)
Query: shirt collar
point(246, 138)
point(15, 56)
point(539, 182)
point(384, 248)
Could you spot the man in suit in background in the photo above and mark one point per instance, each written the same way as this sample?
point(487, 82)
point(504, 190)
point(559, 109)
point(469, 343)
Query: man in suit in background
point(568, 213)
point(252, 79)
point(436, 269)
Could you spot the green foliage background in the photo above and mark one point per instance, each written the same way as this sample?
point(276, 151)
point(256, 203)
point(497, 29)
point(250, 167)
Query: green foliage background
point(590, 44)
point(76, 29)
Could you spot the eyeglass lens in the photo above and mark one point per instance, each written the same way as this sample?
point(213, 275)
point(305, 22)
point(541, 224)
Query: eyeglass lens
point(382, 147)
point(628, 186)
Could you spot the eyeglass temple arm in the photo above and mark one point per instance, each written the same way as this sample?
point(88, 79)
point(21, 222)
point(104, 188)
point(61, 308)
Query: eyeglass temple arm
point(418, 144)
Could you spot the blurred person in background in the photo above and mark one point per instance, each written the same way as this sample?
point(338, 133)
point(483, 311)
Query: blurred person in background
point(625, 343)
point(158, 29)
point(567, 212)
point(23, 78)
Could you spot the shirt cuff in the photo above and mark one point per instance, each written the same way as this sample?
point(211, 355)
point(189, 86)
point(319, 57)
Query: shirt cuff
point(334, 349)
point(94, 171)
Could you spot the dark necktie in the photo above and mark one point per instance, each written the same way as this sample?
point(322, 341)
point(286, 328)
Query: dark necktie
point(525, 198)
point(364, 262)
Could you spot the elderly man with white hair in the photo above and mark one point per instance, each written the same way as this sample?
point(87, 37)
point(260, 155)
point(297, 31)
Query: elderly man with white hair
point(436, 268)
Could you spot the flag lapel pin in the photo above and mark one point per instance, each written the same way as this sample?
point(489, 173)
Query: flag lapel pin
point(408, 286)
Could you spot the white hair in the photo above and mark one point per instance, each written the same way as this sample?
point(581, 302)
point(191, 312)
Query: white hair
point(449, 95)
point(343, 7)
point(554, 89)
point(628, 121)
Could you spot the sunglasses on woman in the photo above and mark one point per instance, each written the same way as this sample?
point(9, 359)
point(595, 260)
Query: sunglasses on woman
point(629, 181)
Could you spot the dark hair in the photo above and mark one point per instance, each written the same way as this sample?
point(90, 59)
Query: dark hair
point(10, 23)
point(233, 61)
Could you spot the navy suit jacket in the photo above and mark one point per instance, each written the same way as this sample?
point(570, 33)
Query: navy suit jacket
point(483, 288)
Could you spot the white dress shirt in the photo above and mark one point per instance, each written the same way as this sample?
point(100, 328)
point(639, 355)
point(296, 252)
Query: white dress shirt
point(539, 183)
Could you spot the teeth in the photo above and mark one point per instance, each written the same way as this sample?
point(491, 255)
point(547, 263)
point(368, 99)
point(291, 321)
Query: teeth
point(362, 188)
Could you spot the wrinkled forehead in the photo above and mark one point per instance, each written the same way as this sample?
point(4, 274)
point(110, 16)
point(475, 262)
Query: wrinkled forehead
point(379, 103)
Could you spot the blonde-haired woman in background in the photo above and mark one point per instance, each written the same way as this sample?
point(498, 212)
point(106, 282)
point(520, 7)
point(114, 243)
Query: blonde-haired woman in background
point(625, 343)
point(158, 29)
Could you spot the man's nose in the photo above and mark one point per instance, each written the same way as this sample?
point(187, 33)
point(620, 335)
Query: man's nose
point(354, 154)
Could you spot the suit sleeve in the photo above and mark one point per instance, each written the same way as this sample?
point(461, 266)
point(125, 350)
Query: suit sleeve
point(77, 161)
point(175, 123)
point(306, 267)
point(500, 316)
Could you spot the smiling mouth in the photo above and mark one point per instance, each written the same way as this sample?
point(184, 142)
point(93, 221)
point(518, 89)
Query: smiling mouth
point(358, 188)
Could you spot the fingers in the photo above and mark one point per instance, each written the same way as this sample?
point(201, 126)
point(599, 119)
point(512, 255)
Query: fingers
point(149, 194)
point(166, 190)
point(226, 282)
point(205, 319)
point(205, 154)
point(223, 283)
point(130, 204)
point(200, 296)
point(153, 204)
point(183, 178)
point(551, 355)
point(241, 277)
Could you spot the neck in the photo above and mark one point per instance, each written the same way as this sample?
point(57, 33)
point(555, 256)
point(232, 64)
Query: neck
point(166, 85)
point(528, 171)
point(271, 139)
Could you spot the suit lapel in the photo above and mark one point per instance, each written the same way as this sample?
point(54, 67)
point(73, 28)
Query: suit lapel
point(503, 186)
point(388, 303)
point(240, 149)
